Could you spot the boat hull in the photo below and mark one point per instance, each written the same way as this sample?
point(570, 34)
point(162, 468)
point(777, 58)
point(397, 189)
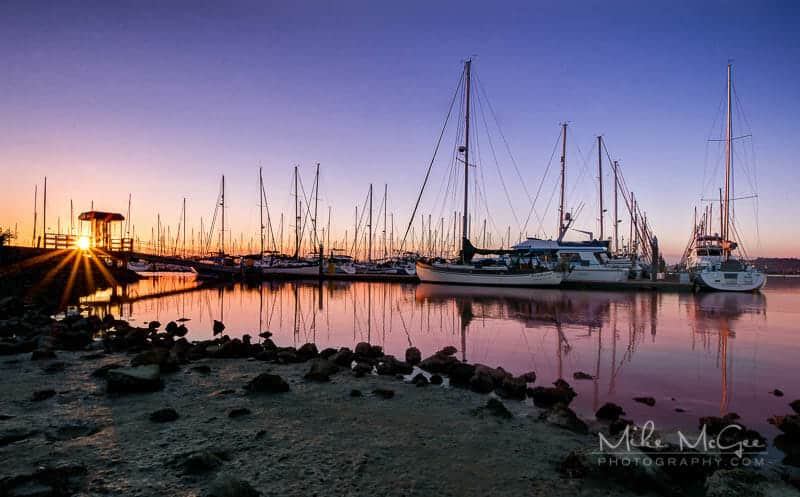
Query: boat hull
point(455, 276)
point(731, 281)
point(292, 271)
point(596, 275)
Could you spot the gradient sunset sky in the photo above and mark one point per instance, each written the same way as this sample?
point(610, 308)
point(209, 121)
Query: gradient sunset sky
point(158, 99)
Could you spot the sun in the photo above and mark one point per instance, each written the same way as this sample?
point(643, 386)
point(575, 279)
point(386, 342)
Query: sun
point(83, 243)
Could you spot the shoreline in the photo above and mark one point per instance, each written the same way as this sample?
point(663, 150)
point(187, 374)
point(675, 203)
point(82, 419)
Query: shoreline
point(395, 437)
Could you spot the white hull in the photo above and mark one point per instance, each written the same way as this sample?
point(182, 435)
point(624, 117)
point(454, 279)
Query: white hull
point(596, 275)
point(292, 270)
point(462, 275)
point(731, 281)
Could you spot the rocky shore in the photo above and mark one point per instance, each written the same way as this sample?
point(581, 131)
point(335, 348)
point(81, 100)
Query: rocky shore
point(100, 407)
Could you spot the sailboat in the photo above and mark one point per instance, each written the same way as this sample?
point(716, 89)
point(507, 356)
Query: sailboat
point(507, 271)
point(586, 261)
point(710, 258)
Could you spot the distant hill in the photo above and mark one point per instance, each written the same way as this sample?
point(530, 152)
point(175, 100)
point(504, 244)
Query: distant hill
point(778, 265)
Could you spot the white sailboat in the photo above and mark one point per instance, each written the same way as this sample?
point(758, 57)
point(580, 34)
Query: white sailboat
point(496, 273)
point(711, 259)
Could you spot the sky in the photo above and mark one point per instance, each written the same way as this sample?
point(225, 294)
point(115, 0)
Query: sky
point(159, 99)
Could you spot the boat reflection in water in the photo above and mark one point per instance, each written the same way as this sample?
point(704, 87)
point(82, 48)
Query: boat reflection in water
point(704, 354)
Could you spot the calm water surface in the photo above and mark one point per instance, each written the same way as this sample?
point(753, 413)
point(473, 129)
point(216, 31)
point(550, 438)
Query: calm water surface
point(707, 354)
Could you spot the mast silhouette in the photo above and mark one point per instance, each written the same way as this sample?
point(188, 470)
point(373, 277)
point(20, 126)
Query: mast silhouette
point(561, 213)
point(465, 227)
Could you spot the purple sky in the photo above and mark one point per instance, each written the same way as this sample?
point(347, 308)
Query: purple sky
point(158, 99)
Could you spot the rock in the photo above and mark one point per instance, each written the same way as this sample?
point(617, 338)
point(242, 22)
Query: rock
point(267, 383)
point(218, 327)
point(385, 393)
point(42, 355)
point(789, 424)
point(573, 466)
point(512, 388)
point(480, 382)
point(228, 486)
point(171, 327)
point(321, 370)
point(40, 395)
point(716, 427)
point(238, 412)
point(389, 365)
point(154, 325)
point(436, 379)
point(202, 368)
point(680, 409)
point(307, 352)
point(461, 375)
point(327, 353)
point(136, 379)
point(376, 351)
point(165, 415)
point(420, 380)
point(102, 371)
point(413, 356)
point(795, 405)
point(564, 417)
point(158, 356)
point(73, 430)
point(203, 462)
point(287, 355)
point(580, 375)
point(439, 363)
point(529, 377)
point(181, 331)
point(777, 393)
point(448, 351)
point(45, 481)
point(362, 369)
point(343, 358)
point(648, 401)
point(549, 396)
point(495, 407)
point(363, 349)
point(355, 393)
point(609, 412)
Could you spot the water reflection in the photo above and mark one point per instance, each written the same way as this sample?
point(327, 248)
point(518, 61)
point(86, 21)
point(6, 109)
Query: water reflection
point(704, 354)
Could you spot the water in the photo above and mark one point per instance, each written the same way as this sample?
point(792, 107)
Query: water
point(708, 354)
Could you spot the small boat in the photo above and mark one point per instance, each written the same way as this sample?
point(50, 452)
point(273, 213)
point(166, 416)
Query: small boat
point(586, 262)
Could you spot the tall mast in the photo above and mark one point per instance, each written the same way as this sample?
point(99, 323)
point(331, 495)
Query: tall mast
point(369, 243)
point(184, 227)
point(35, 207)
point(727, 200)
point(44, 213)
point(316, 201)
point(600, 179)
point(385, 191)
point(616, 213)
point(222, 245)
point(465, 226)
point(560, 231)
point(296, 218)
point(261, 210)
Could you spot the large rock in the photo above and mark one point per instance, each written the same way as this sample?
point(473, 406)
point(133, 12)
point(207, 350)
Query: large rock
point(413, 356)
point(609, 412)
point(389, 365)
point(321, 370)
point(218, 327)
point(343, 358)
point(166, 415)
point(203, 461)
point(790, 425)
point(461, 375)
point(546, 397)
point(45, 481)
point(135, 379)
point(267, 383)
point(480, 382)
point(307, 352)
point(795, 405)
point(512, 388)
point(439, 363)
